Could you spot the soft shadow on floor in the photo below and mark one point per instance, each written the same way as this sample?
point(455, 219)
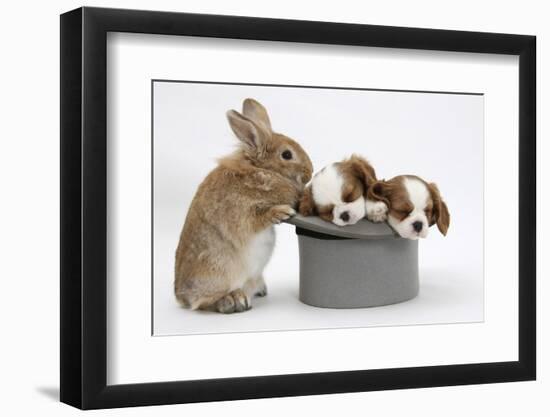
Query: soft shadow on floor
point(50, 392)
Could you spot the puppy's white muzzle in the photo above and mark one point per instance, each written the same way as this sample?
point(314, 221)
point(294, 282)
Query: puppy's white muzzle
point(415, 226)
point(348, 213)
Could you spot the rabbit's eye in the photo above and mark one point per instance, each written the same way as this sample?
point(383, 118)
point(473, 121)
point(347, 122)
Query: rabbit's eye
point(287, 155)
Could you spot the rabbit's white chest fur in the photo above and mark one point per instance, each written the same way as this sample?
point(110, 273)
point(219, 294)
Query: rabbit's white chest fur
point(259, 251)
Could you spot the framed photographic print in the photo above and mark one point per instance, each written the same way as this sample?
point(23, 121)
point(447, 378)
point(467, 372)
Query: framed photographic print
point(257, 208)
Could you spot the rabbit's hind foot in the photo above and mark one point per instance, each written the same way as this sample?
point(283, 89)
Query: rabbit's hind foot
point(234, 302)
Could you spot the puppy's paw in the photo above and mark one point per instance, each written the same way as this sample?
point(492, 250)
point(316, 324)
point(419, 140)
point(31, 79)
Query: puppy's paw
point(281, 212)
point(234, 302)
point(377, 211)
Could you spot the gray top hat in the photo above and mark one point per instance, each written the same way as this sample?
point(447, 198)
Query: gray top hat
point(362, 265)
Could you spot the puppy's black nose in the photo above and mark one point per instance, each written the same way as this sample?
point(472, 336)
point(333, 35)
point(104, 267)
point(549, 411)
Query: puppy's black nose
point(417, 226)
point(344, 216)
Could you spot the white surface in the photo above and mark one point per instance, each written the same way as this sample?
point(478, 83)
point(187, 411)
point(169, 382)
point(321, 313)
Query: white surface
point(29, 172)
point(134, 60)
point(400, 133)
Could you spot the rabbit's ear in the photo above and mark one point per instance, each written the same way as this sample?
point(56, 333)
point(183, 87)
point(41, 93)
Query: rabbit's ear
point(256, 112)
point(246, 130)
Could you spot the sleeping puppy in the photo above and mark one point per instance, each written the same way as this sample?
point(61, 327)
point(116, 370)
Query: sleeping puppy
point(337, 193)
point(413, 205)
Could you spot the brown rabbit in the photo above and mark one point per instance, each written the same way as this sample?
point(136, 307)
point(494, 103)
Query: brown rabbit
point(228, 235)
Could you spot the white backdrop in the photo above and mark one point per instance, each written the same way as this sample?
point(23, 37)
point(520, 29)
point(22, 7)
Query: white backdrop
point(436, 136)
point(133, 60)
point(30, 137)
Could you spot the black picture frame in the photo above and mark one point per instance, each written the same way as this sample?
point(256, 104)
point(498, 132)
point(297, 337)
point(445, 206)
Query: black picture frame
point(84, 221)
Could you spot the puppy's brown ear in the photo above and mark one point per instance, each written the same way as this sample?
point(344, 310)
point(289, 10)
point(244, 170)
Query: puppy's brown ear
point(306, 206)
point(256, 112)
point(379, 191)
point(363, 170)
point(440, 212)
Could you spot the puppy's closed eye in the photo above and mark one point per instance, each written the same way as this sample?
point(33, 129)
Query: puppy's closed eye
point(428, 212)
point(352, 192)
point(326, 212)
point(400, 214)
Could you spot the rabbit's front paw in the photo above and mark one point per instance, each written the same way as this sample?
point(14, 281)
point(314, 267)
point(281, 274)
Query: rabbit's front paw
point(281, 212)
point(234, 302)
point(377, 211)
